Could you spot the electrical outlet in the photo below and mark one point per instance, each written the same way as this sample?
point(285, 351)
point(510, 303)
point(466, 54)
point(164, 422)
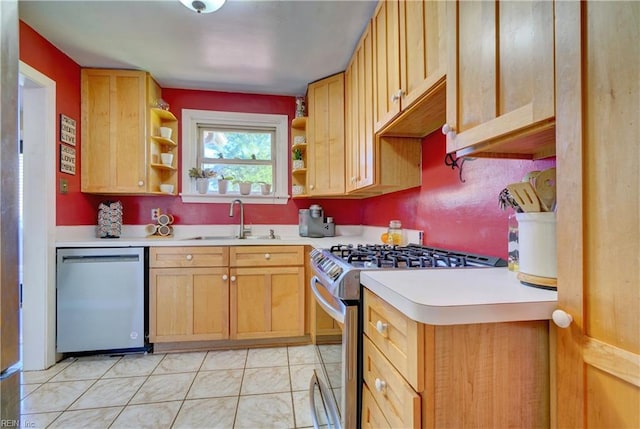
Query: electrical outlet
point(155, 214)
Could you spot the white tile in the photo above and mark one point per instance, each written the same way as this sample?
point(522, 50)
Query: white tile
point(180, 362)
point(166, 387)
point(151, 416)
point(300, 376)
point(134, 365)
point(225, 359)
point(331, 353)
point(267, 357)
point(37, 377)
point(109, 392)
point(95, 418)
point(86, 368)
point(265, 411)
point(302, 410)
point(299, 355)
point(54, 396)
point(265, 380)
point(208, 413)
point(213, 384)
point(37, 421)
point(26, 389)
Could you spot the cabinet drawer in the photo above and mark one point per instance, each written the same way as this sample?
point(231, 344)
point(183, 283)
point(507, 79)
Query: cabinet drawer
point(177, 257)
point(399, 403)
point(399, 338)
point(265, 256)
point(372, 417)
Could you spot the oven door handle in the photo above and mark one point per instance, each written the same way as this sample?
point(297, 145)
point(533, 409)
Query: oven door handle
point(332, 416)
point(336, 312)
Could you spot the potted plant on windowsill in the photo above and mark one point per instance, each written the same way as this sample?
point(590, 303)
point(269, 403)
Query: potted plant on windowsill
point(202, 178)
point(298, 162)
point(223, 183)
point(244, 186)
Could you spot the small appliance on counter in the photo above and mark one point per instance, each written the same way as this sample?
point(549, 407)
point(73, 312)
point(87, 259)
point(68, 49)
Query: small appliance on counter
point(312, 223)
point(109, 219)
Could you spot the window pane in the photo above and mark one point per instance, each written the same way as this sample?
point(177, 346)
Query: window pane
point(237, 144)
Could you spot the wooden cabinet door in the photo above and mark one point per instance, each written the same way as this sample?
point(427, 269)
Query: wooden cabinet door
point(360, 141)
point(188, 304)
point(423, 48)
point(325, 136)
point(386, 45)
point(114, 113)
point(267, 302)
point(500, 79)
point(598, 355)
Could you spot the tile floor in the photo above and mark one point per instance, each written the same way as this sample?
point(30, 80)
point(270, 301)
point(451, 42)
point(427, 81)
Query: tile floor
point(255, 388)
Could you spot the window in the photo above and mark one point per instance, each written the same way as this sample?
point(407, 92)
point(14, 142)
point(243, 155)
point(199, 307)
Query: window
point(247, 147)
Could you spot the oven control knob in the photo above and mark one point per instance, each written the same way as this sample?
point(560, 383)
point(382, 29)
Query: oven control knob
point(380, 385)
point(381, 327)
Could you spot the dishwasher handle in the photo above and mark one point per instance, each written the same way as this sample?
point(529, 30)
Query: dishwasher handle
point(75, 259)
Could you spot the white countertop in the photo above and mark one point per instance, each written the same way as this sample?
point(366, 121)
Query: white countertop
point(134, 236)
point(460, 296)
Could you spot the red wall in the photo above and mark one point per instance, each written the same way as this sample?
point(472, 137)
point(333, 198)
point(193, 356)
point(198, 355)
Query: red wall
point(452, 214)
point(456, 215)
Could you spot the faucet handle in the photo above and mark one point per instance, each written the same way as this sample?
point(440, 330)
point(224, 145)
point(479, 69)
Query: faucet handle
point(272, 234)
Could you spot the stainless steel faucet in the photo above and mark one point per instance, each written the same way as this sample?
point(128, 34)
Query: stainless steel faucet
point(242, 233)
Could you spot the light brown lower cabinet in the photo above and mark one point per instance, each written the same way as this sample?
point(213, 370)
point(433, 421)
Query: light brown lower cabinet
point(188, 294)
point(267, 291)
point(476, 375)
point(204, 293)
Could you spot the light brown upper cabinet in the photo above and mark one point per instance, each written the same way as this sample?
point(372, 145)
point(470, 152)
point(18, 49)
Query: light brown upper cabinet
point(325, 137)
point(500, 79)
point(359, 113)
point(121, 142)
point(410, 59)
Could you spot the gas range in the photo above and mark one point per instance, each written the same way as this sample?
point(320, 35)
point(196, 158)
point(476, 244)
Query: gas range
point(338, 268)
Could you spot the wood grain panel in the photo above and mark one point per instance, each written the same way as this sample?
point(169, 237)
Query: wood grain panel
point(372, 416)
point(194, 256)
point(399, 403)
point(265, 256)
point(401, 342)
point(211, 304)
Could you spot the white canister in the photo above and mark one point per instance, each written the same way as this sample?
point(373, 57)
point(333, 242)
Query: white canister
point(537, 244)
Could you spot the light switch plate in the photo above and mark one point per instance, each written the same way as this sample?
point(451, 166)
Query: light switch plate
point(64, 186)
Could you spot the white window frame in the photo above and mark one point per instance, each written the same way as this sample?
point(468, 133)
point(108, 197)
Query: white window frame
point(192, 118)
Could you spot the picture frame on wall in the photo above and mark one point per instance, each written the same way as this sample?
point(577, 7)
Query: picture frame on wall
point(67, 159)
point(67, 130)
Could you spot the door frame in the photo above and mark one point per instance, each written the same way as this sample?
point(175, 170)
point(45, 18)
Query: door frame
point(39, 219)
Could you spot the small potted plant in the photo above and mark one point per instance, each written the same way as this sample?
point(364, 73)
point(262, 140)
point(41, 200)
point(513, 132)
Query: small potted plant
point(298, 162)
point(202, 178)
point(244, 186)
point(265, 188)
point(223, 183)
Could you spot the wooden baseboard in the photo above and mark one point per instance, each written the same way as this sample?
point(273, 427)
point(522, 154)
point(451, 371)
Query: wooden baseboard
point(191, 346)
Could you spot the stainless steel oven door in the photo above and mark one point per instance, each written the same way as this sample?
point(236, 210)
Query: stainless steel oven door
point(333, 388)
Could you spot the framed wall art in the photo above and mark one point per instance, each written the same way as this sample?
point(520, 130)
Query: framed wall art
point(67, 130)
point(67, 159)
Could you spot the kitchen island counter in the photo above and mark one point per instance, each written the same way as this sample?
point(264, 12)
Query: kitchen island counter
point(451, 296)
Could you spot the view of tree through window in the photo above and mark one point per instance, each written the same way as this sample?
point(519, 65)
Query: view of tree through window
point(245, 155)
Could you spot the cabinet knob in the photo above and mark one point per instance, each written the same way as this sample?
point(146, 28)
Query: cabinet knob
point(448, 131)
point(140, 183)
point(225, 277)
point(189, 257)
point(380, 385)
point(561, 318)
point(312, 187)
point(233, 278)
point(267, 256)
point(381, 327)
point(397, 96)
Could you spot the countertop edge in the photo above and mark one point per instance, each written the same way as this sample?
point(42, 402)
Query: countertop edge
point(534, 309)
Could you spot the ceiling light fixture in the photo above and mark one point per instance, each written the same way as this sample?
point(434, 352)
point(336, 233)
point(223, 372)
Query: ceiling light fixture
point(203, 6)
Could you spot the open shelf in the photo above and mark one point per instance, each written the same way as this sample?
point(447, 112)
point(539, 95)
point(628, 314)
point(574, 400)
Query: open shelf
point(164, 141)
point(164, 115)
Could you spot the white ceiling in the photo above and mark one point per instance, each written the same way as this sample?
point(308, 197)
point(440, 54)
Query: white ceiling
point(264, 47)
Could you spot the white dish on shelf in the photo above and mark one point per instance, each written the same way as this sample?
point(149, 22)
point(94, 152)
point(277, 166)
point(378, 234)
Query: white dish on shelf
point(167, 158)
point(166, 188)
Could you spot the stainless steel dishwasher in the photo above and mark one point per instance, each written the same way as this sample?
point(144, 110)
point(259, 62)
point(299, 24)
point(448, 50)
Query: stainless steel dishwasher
point(100, 299)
